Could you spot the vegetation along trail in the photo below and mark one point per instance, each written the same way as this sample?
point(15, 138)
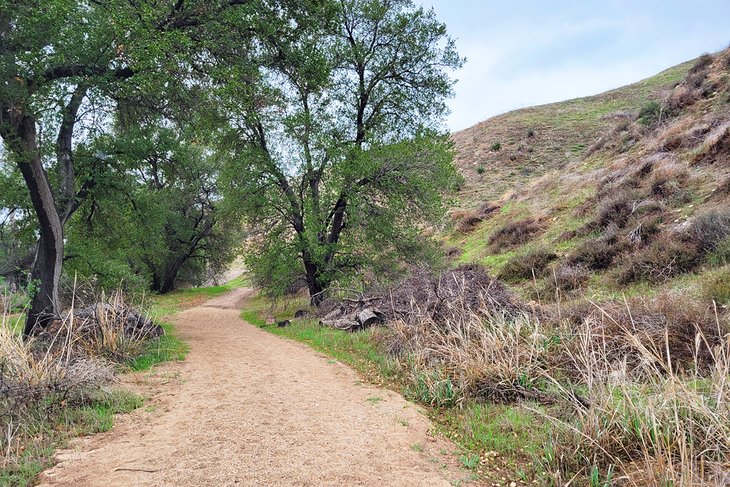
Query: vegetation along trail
point(249, 408)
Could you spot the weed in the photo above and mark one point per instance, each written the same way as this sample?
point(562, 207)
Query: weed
point(496, 146)
point(417, 447)
point(481, 169)
point(651, 113)
point(527, 266)
point(716, 286)
point(516, 233)
point(469, 461)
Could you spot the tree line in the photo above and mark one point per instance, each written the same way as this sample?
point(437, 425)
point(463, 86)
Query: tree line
point(152, 141)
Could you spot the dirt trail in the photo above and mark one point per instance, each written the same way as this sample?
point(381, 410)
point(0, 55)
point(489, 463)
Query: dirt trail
point(249, 408)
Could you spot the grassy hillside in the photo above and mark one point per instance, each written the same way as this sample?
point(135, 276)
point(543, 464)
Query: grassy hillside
point(513, 148)
point(627, 192)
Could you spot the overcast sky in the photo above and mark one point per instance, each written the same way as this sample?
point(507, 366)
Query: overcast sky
point(523, 53)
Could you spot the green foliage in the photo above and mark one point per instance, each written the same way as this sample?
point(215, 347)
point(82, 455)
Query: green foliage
point(650, 113)
point(496, 146)
point(481, 170)
point(154, 220)
point(332, 192)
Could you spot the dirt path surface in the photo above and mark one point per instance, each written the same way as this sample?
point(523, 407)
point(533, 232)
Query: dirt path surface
point(249, 408)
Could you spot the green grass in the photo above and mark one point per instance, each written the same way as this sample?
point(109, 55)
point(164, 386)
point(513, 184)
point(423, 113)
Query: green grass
point(55, 426)
point(167, 348)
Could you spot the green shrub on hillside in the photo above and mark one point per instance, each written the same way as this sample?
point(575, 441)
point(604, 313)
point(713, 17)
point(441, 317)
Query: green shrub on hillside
point(650, 113)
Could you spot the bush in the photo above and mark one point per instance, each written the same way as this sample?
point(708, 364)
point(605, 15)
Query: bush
point(527, 266)
point(716, 286)
point(564, 279)
point(659, 261)
point(468, 223)
point(721, 255)
point(516, 233)
point(650, 113)
point(480, 170)
point(496, 146)
point(701, 64)
point(708, 230)
point(597, 254)
point(617, 209)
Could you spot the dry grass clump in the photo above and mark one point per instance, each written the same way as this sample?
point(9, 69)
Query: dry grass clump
point(597, 254)
point(660, 261)
point(564, 280)
point(58, 376)
point(494, 357)
point(668, 325)
point(516, 233)
point(708, 230)
point(646, 421)
point(637, 391)
point(468, 223)
point(531, 265)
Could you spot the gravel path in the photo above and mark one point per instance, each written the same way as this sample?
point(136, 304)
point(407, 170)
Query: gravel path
point(249, 408)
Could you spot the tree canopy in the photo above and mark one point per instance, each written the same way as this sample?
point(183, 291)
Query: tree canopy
point(139, 138)
point(339, 164)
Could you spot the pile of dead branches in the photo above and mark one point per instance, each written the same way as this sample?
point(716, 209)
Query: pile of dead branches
point(466, 290)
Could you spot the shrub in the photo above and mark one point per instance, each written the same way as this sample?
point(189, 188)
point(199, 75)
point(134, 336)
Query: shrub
point(487, 209)
point(531, 132)
point(496, 146)
point(659, 261)
point(564, 279)
point(708, 230)
point(597, 254)
point(527, 266)
point(617, 209)
point(516, 233)
point(701, 64)
point(480, 170)
point(666, 181)
point(721, 255)
point(468, 223)
point(650, 113)
point(716, 286)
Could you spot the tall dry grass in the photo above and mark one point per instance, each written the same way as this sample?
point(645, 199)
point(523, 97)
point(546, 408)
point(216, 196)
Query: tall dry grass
point(628, 403)
point(56, 375)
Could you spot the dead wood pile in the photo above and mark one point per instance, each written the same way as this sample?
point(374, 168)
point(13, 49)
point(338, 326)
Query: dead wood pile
point(451, 295)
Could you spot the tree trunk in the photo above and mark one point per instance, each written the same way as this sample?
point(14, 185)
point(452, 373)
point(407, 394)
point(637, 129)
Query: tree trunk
point(46, 270)
point(316, 288)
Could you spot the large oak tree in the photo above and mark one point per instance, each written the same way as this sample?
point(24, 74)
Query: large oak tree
point(339, 162)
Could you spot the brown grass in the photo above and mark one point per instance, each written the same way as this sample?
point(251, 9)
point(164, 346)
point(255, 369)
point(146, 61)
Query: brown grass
point(531, 265)
point(516, 233)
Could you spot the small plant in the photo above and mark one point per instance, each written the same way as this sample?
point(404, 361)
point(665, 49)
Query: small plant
point(496, 146)
point(417, 447)
point(470, 461)
point(530, 132)
point(516, 233)
point(374, 399)
point(481, 169)
point(651, 113)
point(716, 286)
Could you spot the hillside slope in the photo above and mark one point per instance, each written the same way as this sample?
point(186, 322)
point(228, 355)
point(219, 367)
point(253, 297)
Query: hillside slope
point(518, 146)
point(624, 192)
